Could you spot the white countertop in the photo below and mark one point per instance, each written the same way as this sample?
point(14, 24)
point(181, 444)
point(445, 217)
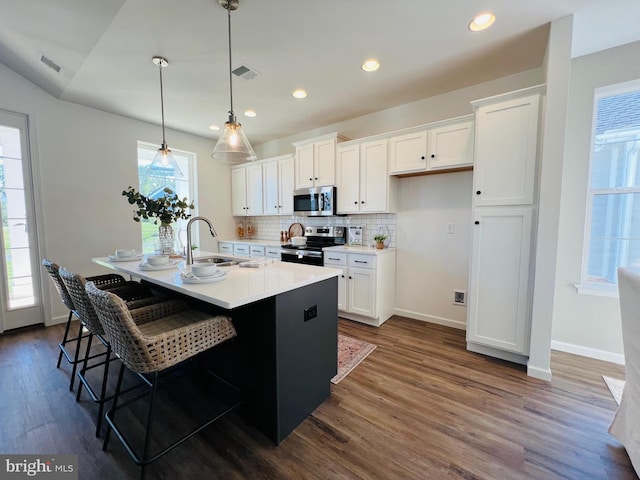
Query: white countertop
point(241, 286)
point(359, 249)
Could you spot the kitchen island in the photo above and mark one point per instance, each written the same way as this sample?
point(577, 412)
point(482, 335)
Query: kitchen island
point(286, 316)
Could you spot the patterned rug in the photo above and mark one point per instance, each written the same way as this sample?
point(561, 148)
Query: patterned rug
point(615, 387)
point(350, 353)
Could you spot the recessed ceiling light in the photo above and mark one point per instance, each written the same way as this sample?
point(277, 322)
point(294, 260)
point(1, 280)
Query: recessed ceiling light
point(482, 21)
point(214, 127)
point(370, 65)
point(250, 113)
point(299, 93)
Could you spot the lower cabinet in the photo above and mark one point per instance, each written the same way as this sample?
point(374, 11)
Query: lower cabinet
point(366, 287)
point(225, 247)
point(272, 252)
point(241, 250)
point(500, 281)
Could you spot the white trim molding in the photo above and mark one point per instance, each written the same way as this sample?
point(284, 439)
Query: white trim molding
point(588, 352)
point(447, 322)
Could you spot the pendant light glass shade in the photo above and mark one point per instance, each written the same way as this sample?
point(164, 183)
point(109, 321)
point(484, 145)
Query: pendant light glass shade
point(164, 162)
point(232, 145)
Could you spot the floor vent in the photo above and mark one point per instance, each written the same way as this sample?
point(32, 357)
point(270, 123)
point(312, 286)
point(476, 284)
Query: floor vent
point(246, 72)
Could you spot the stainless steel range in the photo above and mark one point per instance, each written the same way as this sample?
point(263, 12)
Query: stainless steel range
point(317, 239)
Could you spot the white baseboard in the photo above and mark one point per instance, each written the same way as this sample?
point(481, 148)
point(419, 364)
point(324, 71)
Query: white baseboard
point(447, 322)
point(540, 373)
point(588, 352)
point(56, 320)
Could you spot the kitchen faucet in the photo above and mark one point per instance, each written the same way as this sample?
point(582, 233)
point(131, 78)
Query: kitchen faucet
point(211, 229)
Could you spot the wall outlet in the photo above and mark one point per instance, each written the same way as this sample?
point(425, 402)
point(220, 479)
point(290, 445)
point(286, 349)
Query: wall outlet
point(451, 228)
point(459, 297)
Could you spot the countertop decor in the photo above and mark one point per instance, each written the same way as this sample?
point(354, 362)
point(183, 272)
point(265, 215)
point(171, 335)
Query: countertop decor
point(165, 209)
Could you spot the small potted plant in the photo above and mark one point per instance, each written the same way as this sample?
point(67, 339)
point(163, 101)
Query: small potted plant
point(380, 238)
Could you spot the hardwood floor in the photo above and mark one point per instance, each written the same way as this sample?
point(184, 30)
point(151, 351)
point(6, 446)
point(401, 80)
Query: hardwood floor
point(419, 407)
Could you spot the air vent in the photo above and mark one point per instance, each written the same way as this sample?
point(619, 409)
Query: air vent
point(246, 72)
point(50, 63)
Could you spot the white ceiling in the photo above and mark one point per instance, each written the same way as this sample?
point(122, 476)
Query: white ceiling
point(424, 46)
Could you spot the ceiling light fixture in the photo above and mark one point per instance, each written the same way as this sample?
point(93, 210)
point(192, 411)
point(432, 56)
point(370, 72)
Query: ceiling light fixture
point(482, 21)
point(250, 113)
point(214, 127)
point(232, 146)
point(300, 93)
point(370, 65)
point(164, 159)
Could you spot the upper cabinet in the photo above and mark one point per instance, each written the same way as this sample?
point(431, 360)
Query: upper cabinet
point(246, 190)
point(361, 177)
point(506, 145)
point(426, 149)
point(315, 161)
point(277, 177)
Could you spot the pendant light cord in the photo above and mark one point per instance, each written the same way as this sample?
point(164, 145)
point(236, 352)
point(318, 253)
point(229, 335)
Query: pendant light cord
point(231, 114)
point(164, 143)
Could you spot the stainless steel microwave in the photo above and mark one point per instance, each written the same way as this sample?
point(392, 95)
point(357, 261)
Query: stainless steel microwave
point(315, 202)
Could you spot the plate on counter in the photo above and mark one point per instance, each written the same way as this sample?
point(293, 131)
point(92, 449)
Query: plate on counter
point(132, 258)
point(216, 277)
point(296, 230)
point(145, 267)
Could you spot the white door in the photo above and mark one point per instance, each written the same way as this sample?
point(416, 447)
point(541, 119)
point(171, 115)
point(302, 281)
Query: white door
point(270, 186)
point(347, 179)
point(254, 190)
point(408, 153)
point(324, 153)
point(362, 291)
point(304, 166)
point(451, 146)
point(239, 191)
point(21, 299)
point(285, 186)
point(373, 176)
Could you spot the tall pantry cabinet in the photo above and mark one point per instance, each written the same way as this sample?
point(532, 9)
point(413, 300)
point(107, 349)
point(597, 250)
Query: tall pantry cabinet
point(504, 214)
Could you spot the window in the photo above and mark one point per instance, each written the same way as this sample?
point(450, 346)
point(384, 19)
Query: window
point(152, 182)
point(613, 209)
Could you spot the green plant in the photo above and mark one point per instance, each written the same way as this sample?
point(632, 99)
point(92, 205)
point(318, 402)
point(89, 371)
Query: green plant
point(380, 237)
point(166, 209)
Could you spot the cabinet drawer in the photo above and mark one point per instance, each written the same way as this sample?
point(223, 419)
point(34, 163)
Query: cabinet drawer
point(272, 252)
point(333, 258)
point(225, 248)
point(362, 261)
point(257, 250)
point(241, 249)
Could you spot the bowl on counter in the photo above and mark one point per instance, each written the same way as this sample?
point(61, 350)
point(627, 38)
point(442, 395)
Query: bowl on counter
point(157, 260)
point(204, 269)
point(298, 241)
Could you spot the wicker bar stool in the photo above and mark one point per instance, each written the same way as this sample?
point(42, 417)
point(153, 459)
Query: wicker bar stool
point(135, 295)
point(161, 336)
point(103, 281)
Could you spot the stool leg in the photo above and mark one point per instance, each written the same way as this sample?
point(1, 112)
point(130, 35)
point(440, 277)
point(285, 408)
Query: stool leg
point(147, 440)
point(64, 338)
point(83, 370)
point(103, 392)
point(113, 407)
point(75, 358)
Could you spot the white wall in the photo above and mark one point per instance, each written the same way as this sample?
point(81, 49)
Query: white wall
point(582, 323)
point(84, 158)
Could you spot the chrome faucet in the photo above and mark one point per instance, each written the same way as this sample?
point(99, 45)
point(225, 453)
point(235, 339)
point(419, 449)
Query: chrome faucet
point(211, 229)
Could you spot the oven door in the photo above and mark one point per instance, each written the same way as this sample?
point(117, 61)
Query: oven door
point(301, 256)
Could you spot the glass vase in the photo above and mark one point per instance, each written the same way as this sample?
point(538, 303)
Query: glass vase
point(166, 239)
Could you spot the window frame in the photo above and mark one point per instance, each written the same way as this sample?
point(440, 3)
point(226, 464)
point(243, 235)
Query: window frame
point(585, 286)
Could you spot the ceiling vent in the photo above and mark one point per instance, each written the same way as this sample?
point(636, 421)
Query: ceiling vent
point(50, 63)
point(246, 72)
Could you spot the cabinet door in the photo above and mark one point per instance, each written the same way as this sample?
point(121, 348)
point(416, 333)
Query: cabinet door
point(451, 146)
point(362, 291)
point(342, 291)
point(374, 181)
point(257, 250)
point(499, 284)
point(254, 190)
point(408, 153)
point(506, 149)
point(325, 162)
point(304, 166)
point(285, 186)
point(347, 179)
point(225, 247)
point(238, 191)
point(270, 187)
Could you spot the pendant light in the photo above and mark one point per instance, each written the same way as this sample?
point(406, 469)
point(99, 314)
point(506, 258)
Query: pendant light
point(232, 146)
point(164, 161)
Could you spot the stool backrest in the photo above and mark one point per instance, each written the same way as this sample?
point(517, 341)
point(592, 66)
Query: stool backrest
point(75, 286)
point(53, 270)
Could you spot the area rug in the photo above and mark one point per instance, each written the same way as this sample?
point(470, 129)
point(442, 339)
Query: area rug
point(350, 353)
point(615, 387)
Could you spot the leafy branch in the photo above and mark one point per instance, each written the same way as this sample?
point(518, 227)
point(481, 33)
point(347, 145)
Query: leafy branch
point(166, 209)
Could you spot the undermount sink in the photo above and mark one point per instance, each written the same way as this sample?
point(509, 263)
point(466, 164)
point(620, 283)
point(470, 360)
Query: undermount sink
point(219, 261)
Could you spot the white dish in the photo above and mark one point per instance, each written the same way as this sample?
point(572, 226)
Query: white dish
point(137, 256)
point(150, 268)
point(216, 277)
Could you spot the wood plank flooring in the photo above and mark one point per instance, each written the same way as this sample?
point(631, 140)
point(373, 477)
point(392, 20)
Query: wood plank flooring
point(419, 407)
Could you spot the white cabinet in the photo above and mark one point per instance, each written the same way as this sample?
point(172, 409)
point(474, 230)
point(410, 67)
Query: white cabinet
point(499, 300)
point(246, 190)
point(502, 255)
point(506, 151)
point(278, 178)
point(408, 152)
point(315, 161)
point(256, 250)
point(366, 287)
point(451, 146)
point(361, 178)
point(272, 252)
point(225, 247)
point(241, 249)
